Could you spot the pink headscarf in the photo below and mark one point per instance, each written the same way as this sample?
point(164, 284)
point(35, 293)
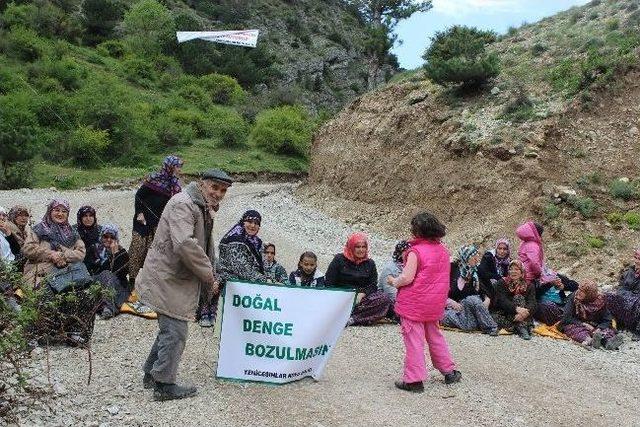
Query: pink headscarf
point(350, 247)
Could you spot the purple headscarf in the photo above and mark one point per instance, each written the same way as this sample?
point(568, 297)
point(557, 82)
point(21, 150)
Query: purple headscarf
point(239, 234)
point(57, 235)
point(502, 264)
point(165, 181)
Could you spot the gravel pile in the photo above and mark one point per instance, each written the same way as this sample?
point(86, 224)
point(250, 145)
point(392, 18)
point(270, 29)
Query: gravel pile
point(506, 381)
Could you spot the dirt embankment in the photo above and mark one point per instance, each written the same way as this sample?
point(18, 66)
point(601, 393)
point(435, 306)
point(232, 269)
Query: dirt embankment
point(397, 151)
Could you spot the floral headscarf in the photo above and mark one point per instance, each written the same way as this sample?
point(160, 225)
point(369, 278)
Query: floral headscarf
point(519, 287)
point(239, 234)
point(165, 181)
point(467, 272)
point(349, 249)
point(102, 251)
point(502, 264)
point(58, 235)
point(588, 301)
point(399, 251)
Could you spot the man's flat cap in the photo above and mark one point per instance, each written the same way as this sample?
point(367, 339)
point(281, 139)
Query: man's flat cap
point(217, 175)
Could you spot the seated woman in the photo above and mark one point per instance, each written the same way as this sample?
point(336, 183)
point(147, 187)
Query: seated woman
point(551, 288)
point(393, 268)
point(354, 269)
point(588, 321)
point(495, 264)
point(307, 273)
point(54, 244)
point(272, 269)
point(468, 303)
point(87, 228)
point(624, 302)
point(108, 263)
point(515, 302)
point(240, 258)
point(9, 245)
point(19, 224)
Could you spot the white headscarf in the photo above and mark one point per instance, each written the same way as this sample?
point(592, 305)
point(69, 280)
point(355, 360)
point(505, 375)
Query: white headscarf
point(5, 247)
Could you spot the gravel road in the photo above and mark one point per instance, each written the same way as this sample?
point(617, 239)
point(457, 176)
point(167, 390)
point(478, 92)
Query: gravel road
point(506, 381)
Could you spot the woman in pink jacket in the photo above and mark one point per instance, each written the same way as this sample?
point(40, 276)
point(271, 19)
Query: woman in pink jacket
point(423, 288)
point(551, 287)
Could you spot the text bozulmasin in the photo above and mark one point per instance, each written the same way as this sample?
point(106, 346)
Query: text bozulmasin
point(285, 353)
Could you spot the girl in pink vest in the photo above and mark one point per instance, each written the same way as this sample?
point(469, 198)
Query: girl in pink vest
point(423, 288)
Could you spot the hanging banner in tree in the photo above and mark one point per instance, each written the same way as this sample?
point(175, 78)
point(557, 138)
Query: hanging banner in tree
point(247, 38)
point(279, 334)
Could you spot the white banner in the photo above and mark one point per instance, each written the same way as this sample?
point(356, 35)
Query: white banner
point(247, 38)
point(279, 334)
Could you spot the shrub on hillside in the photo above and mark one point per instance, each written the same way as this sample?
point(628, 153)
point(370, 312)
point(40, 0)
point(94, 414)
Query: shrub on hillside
point(196, 95)
point(228, 126)
point(149, 28)
point(19, 132)
point(23, 44)
point(100, 18)
point(633, 220)
point(113, 48)
point(139, 71)
point(66, 71)
point(283, 130)
point(622, 190)
point(458, 56)
point(86, 146)
point(9, 81)
point(222, 89)
point(585, 205)
point(173, 134)
point(192, 118)
point(44, 18)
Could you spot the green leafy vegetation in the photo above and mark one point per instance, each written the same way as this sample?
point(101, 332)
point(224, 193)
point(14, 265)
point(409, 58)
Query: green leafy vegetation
point(624, 190)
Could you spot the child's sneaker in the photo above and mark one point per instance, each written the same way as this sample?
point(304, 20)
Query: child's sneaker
point(417, 387)
point(452, 377)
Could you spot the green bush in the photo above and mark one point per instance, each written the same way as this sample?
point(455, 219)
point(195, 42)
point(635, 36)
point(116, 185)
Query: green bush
point(23, 44)
point(283, 130)
point(100, 19)
point(222, 89)
point(19, 133)
point(173, 134)
point(585, 205)
point(633, 220)
point(192, 118)
point(519, 108)
point(9, 81)
point(228, 126)
point(622, 190)
point(195, 95)
point(66, 71)
point(550, 212)
point(458, 56)
point(595, 242)
point(139, 71)
point(149, 28)
point(113, 48)
point(86, 146)
point(615, 219)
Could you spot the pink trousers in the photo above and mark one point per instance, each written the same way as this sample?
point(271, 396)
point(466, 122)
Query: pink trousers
point(415, 334)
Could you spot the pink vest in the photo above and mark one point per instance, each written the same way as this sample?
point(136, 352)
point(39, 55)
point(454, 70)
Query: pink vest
point(424, 300)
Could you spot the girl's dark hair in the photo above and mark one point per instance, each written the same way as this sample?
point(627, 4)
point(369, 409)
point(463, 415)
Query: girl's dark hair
point(307, 254)
point(539, 227)
point(269, 245)
point(427, 226)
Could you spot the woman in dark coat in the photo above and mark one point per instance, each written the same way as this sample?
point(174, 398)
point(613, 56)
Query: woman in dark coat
point(624, 302)
point(354, 269)
point(151, 198)
point(495, 264)
point(515, 302)
point(108, 263)
point(87, 228)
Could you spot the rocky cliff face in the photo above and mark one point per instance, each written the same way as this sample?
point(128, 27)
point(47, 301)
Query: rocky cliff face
point(412, 146)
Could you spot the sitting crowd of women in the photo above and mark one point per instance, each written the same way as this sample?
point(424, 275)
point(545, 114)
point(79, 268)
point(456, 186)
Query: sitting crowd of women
point(490, 292)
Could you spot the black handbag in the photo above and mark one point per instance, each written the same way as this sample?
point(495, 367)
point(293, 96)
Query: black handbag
point(75, 275)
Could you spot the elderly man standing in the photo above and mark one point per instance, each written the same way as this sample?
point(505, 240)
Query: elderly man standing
point(179, 266)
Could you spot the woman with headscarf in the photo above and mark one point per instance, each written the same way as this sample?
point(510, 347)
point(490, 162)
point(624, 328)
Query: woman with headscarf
point(274, 271)
point(150, 200)
point(87, 228)
point(551, 288)
point(240, 258)
point(19, 222)
point(515, 302)
point(9, 246)
point(495, 264)
point(53, 243)
point(393, 268)
point(108, 263)
point(624, 301)
point(468, 303)
point(354, 269)
point(587, 320)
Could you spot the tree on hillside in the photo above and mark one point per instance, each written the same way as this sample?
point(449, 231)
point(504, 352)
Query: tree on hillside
point(458, 56)
point(149, 28)
point(100, 18)
point(381, 18)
